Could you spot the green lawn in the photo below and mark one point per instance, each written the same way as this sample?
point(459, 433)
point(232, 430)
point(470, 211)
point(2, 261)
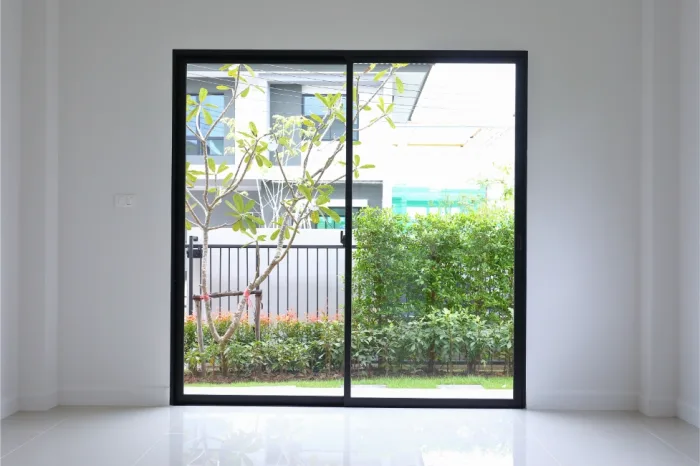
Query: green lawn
point(390, 382)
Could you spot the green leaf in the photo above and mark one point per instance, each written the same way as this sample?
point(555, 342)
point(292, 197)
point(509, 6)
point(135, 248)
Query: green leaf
point(213, 190)
point(249, 205)
point(253, 128)
point(323, 99)
point(274, 235)
point(390, 108)
point(331, 213)
point(356, 143)
point(287, 234)
point(237, 226)
point(250, 70)
point(357, 174)
point(317, 118)
point(369, 165)
point(211, 164)
point(339, 116)
point(244, 92)
point(188, 225)
point(391, 123)
point(230, 206)
point(356, 159)
point(305, 191)
point(202, 94)
point(223, 88)
point(381, 74)
point(315, 218)
point(258, 220)
point(367, 108)
point(192, 113)
point(238, 202)
point(207, 116)
point(381, 104)
point(399, 85)
point(222, 168)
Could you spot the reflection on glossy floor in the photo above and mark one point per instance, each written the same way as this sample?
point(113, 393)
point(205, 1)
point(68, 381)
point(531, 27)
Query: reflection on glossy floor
point(323, 436)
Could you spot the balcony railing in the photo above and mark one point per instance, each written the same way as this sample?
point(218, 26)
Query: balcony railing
point(309, 282)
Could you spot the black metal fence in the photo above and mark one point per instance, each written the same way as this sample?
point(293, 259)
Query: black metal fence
point(308, 283)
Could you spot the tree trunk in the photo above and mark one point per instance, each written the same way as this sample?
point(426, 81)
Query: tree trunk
point(200, 338)
point(203, 291)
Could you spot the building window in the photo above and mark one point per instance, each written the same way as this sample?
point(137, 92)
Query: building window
point(327, 223)
point(215, 142)
point(311, 105)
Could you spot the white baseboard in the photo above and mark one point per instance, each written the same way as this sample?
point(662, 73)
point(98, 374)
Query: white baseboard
point(42, 402)
point(582, 400)
point(657, 407)
point(688, 413)
point(9, 407)
point(114, 396)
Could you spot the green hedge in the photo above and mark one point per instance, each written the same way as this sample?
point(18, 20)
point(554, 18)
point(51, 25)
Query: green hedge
point(423, 345)
point(460, 261)
point(428, 293)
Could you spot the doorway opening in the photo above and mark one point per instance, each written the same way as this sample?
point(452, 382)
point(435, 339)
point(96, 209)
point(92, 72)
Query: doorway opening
point(353, 228)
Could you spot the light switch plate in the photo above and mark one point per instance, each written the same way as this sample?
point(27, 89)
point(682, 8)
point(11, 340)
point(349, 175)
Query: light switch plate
point(124, 201)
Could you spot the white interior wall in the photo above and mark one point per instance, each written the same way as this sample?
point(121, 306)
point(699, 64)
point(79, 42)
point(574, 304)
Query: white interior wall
point(584, 144)
point(689, 246)
point(10, 50)
point(585, 190)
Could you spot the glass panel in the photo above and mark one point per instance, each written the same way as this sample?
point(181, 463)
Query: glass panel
point(433, 262)
point(264, 316)
point(213, 107)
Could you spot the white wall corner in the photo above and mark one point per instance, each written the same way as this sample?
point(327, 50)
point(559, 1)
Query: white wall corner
point(688, 412)
point(38, 218)
point(40, 402)
point(659, 209)
point(9, 407)
point(657, 407)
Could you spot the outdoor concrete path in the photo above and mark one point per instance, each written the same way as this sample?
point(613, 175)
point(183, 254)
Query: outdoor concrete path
point(363, 391)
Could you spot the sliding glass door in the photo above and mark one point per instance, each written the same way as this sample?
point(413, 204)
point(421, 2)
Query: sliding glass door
point(433, 293)
point(353, 228)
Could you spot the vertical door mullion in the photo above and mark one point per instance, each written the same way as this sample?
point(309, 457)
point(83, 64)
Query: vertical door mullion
point(347, 243)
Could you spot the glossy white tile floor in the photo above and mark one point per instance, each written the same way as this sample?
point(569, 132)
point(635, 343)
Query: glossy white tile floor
point(320, 436)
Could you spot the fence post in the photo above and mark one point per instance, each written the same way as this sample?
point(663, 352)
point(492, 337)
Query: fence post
point(190, 284)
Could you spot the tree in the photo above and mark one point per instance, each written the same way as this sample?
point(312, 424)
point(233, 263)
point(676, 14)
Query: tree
point(296, 201)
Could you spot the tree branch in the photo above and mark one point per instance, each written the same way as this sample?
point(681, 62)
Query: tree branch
point(194, 215)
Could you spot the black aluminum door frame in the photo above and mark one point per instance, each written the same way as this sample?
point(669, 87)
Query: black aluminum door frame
point(181, 58)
